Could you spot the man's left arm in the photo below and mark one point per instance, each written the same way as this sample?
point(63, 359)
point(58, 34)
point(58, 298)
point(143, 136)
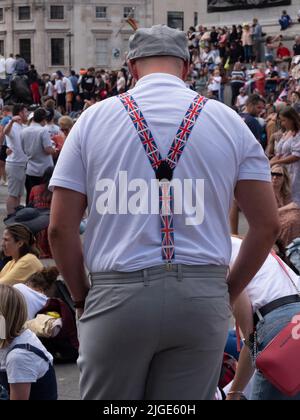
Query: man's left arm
point(67, 211)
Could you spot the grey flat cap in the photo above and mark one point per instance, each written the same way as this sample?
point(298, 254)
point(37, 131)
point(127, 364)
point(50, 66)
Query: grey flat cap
point(160, 40)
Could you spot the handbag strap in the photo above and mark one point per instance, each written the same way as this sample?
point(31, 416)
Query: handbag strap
point(282, 265)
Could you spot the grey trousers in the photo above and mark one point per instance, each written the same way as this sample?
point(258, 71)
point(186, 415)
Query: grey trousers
point(154, 334)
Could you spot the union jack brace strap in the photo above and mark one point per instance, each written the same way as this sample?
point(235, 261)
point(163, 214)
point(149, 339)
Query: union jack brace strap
point(164, 168)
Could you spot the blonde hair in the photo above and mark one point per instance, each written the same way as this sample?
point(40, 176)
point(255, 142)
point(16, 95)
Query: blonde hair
point(285, 190)
point(65, 123)
point(13, 308)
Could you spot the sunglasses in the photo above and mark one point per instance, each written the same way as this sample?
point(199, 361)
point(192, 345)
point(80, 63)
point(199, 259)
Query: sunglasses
point(276, 174)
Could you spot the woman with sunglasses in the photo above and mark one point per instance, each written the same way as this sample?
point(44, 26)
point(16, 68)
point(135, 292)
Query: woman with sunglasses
point(289, 212)
point(288, 149)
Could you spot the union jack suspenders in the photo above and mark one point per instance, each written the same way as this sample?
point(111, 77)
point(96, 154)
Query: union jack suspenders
point(164, 168)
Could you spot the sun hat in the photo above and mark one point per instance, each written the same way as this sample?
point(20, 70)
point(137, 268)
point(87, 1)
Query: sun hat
point(160, 40)
point(34, 219)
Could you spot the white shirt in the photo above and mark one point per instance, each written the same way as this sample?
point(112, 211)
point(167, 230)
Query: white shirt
point(13, 141)
point(68, 85)
point(2, 67)
point(215, 84)
point(10, 65)
point(121, 84)
point(270, 283)
point(242, 100)
point(103, 142)
point(35, 301)
point(50, 89)
point(23, 366)
point(59, 86)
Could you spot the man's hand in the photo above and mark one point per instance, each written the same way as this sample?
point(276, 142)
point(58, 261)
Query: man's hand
point(17, 119)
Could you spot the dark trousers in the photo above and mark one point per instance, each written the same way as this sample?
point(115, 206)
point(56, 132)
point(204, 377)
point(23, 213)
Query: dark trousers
point(31, 181)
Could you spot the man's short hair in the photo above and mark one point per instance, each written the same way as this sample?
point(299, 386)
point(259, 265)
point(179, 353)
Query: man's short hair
point(40, 115)
point(255, 100)
point(17, 108)
point(7, 108)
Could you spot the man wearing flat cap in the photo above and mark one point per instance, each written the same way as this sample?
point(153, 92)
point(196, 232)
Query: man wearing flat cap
point(157, 167)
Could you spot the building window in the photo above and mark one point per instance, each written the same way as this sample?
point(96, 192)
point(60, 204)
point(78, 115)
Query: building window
point(57, 12)
point(25, 49)
point(129, 12)
point(176, 20)
point(196, 19)
point(24, 13)
point(1, 14)
point(101, 12)
point(102, 52)
point(57, 52)
point(2, 46)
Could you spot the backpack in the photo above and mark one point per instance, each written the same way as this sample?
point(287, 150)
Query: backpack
point(228, 371)
point(63, 347)
point(3, 394)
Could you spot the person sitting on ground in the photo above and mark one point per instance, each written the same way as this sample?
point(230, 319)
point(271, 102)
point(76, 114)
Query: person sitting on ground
point(285, 21)
point(19, 243)
point(40, 198)
point(37, 289)
point(26, 367)
point(289, 212)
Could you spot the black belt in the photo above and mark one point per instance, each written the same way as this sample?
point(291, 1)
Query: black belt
point(270, 307)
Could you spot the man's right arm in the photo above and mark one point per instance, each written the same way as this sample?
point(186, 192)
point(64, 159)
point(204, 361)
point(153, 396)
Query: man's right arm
point(257, 201)
point(8, 127)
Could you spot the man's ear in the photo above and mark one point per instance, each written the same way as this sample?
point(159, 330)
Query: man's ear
point(133, 69)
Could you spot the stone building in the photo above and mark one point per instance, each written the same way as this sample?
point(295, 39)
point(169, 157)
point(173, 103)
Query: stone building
point(62, 34)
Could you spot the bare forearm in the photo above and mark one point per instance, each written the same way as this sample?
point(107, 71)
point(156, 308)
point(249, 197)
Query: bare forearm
point(287, 160)
point(70, 262)
point(244, 372)
point(8, 128)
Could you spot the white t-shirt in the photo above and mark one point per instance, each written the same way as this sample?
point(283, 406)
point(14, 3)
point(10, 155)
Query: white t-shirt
point(52, 129)
point(215, 84)
point(242, 100)
point(104, 142)
point(10, 65)
point(60, 87)
point(13, 141)
point(23, 366)
point(68, 85)
point(35, 301)
point(270, 283)
point(35, 139)
point(50, 89)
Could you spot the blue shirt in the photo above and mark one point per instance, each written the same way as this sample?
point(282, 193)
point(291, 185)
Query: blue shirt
point(5, 121)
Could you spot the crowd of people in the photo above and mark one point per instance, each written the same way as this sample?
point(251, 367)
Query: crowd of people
point(257, 75)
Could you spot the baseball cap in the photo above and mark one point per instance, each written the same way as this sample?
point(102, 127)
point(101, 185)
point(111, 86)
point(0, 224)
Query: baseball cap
point(160, 40)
